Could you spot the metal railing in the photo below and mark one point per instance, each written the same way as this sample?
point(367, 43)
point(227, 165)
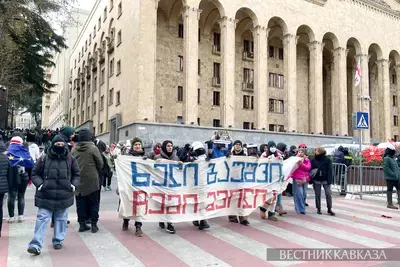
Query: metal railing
point(346, 179)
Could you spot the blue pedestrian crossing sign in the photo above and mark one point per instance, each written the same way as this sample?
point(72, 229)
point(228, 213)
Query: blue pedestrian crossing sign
point(361, 121)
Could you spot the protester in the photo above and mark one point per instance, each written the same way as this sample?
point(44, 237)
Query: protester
point(110, 163)
point(321, 165)
point(301, 178)
point(67, 133)
point(4, 174)
point(167, 152)
point(88, 193)
point(391, 172)
point(55, 176)
point(20, 160)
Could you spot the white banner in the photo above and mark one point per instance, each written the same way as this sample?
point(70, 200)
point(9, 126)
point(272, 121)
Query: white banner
point(169, 192)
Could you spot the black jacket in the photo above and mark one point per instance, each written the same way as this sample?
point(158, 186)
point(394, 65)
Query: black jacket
point(4, 174)
point(56, 173)
point(324, 165)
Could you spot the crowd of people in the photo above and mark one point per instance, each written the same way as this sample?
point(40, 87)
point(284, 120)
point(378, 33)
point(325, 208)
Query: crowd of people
point(74, 167)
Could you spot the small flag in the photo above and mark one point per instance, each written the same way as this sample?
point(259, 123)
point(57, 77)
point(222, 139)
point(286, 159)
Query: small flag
point(357, 78)
point(18, 155)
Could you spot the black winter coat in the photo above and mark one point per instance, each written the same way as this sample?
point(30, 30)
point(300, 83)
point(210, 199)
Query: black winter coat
point(324, 165)
point(4, 174)
point(56, 173)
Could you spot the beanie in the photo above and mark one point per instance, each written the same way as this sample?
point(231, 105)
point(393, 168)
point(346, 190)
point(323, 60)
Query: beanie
point(302, 145)
point(85, 135)
point(67, 131)
point(237, 142)
point(135, 140)
point(271, 144)
point(16, 140)
point(57, 139)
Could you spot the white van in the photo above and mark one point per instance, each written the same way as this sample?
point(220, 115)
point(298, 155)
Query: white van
point(331, 148)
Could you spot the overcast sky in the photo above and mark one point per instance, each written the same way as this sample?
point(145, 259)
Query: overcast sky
point(86, 4)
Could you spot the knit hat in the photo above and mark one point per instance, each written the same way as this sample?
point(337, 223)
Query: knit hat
point(67, 131)
point(237, 142)
point(135, 140)
point(302, 145)
point(271, 144)
point(85, 135)
point(3, 147)
point(16, 140)
point(293, 148)
point(57, 139)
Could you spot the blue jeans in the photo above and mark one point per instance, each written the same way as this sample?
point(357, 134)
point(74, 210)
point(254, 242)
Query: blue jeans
point(42, 222)
point(299, 196)
point(278, 203)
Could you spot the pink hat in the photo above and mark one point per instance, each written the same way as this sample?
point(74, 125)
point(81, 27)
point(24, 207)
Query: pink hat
point(302, 145)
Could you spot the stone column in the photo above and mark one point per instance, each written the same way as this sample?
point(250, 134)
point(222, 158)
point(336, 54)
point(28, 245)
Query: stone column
point(228, 26)
point(191, 16)
point(339, 89)
point(363, 90)
point(290, 65)
point(316, 100)
point(385, 111)
point(260, 35)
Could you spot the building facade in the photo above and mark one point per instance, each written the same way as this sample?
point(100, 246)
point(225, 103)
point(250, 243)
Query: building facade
point(54, 105)
point(276, 65)
point(23, 120)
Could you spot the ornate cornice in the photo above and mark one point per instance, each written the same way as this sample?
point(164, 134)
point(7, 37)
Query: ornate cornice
point(378, 6)
point(317, 2)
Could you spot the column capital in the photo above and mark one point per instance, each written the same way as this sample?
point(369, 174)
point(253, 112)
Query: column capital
point(383, 61)
point(224, 21)
point(287, 37)
point(365, 56)
point(314, 45)
point(258, 29)
point(186, 11)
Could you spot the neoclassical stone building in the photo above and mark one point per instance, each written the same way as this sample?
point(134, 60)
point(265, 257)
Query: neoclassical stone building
point(273, 65)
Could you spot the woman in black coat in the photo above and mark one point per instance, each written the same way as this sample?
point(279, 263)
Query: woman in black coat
point(4, 173)
point(55, 176)
point(322, 165)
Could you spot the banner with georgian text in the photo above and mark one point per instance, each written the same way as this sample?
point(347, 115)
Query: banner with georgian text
point(165, 190)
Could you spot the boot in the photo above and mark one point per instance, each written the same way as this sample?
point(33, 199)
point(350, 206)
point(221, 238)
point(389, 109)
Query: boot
point(243, 220)
point(233, 218)
point(390, 205)
point(273, 218)
point(196, 223)
point(125, 225)
point(95, 229)
point(203, 225)
point(139, 232)
point(330, 212)
point(280, 210)
point(263, 215)
point(83, 227)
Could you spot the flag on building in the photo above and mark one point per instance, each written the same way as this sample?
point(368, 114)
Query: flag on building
point(357, 78)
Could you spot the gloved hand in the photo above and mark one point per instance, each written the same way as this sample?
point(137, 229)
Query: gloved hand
point(228, 155)
point(29, 182)
point(73, 187)
point(144, 158)
point(40, 187)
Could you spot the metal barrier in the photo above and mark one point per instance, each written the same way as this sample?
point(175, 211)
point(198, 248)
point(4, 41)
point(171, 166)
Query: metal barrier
point(339, 173)
point(373, 181)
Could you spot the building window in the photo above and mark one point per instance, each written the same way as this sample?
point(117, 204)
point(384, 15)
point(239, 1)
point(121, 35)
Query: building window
point(119, 38)
point(276, 128)
point(83, 116)
point(94, 130)
point(119, 9)
point(118, 67)
point(180, 63)
point(217, 70)
point(101, 127)
point(73, 103)
point(105, 14)
point(198, 121)
point(199, 35)
point(276, 80)
point(88, 88)
point(88, 112)
point(111, 96)
point(101, 102)
point(99, 25)
point(73, 122)
point(396, 138)
point(198, 96)
point(248, 76)
point(103, 76)
point(216, 123)
point(90, 39)
point(280, 55)
point(248, 102)
point(82, 52)
point(271, 51)
point(395, 101)
point(179, 120)
point(248, 47)
point(276, 106)
point(94, 84)
point(198, 66)
point(94, 107)
point(180, 31)
point(75, 64)
point(94, 31)
point(85, 45)
point(217, 41)
point(118, 98)
point(395, 120)
point(111, 4)
point(246, 125)
point(111, 67)
point(216, 96)
point(180, 93)
point(393, 78)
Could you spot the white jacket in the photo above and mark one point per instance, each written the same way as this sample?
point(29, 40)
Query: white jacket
point(34, 151)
